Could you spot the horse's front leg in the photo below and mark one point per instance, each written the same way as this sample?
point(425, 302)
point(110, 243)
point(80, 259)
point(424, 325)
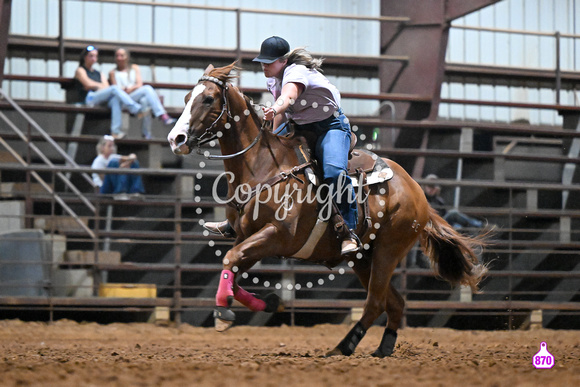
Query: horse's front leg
point(240, 258)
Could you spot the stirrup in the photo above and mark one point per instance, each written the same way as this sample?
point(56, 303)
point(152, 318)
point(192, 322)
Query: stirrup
point(222, 228)
point(352, 244)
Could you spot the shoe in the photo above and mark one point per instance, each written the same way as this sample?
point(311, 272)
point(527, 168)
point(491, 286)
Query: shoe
point(349, 245)
point(222, 228)
point(121, 196)
point(136, 196)
point(167, 119)
point(120, 135)
point(145, 111)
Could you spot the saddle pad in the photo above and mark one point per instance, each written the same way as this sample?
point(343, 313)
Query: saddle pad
point(375, 167)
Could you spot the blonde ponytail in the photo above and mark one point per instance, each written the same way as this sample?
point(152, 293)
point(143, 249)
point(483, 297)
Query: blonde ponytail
point(300, 56)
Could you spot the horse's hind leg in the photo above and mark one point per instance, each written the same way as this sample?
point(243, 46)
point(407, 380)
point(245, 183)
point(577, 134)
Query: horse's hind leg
point(376, 277)
point(362, 269)
point(394, 307)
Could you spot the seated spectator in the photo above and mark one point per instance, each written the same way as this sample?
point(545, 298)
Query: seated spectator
point(127, 76)
point(107, 157)
point(455, 218)
point(93, 89)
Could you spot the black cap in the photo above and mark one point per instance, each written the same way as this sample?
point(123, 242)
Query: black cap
point(272, 49)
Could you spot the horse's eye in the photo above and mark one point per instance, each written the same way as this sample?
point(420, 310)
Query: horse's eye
point(208, 100)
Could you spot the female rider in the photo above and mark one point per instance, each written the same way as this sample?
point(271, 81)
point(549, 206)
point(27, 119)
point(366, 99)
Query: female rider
point(304, 95)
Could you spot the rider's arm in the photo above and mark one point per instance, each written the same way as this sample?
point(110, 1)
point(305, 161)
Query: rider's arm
point(290, 93)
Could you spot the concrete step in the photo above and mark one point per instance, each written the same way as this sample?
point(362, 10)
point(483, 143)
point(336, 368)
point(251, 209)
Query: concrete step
point(13, 190)
point(12, 215)
point(88, 257)
point(62, 224)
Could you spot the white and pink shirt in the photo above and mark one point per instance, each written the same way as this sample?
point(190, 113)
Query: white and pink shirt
point(319, 100)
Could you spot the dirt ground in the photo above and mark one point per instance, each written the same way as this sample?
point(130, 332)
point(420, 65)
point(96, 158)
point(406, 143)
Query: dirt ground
point(67, 353)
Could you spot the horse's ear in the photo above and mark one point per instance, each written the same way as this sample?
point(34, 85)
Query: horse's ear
point(231, 67)
point(208, 69)
point(187, 97)
point(223, 73)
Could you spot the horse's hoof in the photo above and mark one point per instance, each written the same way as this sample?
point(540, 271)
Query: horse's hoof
point(224, 318)
point(273, 303)
point(380, 354)
point(334, 352)
point(222, 325)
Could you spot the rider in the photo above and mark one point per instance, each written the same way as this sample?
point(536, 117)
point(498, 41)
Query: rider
point(304, 95)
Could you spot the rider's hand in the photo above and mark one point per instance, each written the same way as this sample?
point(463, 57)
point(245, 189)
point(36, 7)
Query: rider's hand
point(269, 113)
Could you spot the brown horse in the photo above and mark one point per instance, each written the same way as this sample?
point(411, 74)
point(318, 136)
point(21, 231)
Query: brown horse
point(256, 159)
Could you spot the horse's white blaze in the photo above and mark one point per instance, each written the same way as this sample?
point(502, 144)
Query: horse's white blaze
point(182, 124)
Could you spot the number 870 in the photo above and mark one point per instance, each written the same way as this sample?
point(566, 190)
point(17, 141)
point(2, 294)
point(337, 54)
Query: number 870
point(541, 360)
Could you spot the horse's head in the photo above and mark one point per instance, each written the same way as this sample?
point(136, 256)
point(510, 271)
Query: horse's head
point(205, 111)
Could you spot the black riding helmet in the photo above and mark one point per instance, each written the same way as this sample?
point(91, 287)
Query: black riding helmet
point(272, 49)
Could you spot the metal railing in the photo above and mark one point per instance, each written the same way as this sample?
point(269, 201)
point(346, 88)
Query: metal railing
point(31, 146)
point(189, 258)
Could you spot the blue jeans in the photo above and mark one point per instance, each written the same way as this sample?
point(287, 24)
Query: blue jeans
point(331, 151)
point(459, 220)
point(116, 99)
point(116, 183)
point(146, 96)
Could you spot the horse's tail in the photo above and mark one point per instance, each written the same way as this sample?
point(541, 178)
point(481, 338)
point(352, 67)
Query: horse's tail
point(453, 256)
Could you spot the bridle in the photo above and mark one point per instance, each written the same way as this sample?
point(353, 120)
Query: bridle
point(208, 131)
point(280, 177)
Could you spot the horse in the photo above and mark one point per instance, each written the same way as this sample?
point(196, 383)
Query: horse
point(254, 159)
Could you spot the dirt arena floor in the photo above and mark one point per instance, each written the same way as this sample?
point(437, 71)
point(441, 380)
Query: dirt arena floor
point(67, 353)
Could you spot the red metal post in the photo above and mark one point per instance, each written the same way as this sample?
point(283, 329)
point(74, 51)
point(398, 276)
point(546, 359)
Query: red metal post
point(5, 9)
point(424, 40)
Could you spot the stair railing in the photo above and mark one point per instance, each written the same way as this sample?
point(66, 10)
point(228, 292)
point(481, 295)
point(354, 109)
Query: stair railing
point(47, 161)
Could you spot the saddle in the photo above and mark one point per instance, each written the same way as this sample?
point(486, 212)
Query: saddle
point(361, 163)
point(365, 168)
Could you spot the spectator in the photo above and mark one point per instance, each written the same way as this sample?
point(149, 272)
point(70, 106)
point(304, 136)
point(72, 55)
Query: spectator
point(93, 89)
point(455, 218)
point(117, 184)
point(127, 76)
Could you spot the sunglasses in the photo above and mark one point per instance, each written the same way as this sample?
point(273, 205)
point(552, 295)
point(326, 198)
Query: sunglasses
point(109, 138)
point(90, 48)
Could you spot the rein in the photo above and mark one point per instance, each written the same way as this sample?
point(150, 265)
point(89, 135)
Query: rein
point(226, 110)
point(282, 176)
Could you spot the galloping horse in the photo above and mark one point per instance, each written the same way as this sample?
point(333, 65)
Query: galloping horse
point(258, 160)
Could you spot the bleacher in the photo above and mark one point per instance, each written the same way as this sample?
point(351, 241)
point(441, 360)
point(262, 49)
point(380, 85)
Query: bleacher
point(159, 239)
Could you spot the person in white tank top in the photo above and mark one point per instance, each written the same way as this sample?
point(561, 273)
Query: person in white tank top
point(127, 76)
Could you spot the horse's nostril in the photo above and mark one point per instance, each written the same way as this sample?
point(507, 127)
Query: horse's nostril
point(180, 139)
